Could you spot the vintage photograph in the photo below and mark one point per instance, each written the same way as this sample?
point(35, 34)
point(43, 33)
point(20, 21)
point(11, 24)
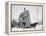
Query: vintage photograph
point(26, 17)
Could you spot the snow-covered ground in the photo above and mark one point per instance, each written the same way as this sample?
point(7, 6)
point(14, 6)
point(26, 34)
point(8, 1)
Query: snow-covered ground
point(38, 27)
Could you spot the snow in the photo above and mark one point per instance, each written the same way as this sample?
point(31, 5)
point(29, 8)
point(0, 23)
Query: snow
point(38, 27)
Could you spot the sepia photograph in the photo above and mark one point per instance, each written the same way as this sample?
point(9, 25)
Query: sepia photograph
point(26, 17)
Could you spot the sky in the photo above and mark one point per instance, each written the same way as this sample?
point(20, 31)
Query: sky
point(35, 12)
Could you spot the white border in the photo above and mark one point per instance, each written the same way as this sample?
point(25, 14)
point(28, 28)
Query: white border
point(28, 4)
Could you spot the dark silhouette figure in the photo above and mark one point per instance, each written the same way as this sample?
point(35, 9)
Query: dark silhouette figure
point(13, 23)
point(33, 25)
point(23, 24)
point(19, 24)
